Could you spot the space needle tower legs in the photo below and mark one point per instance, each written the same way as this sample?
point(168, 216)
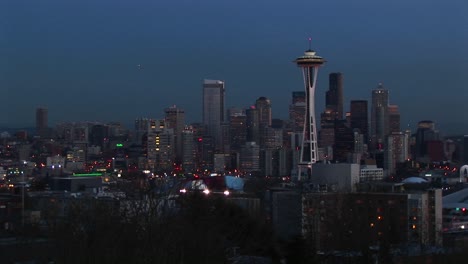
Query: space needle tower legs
point(309, 63)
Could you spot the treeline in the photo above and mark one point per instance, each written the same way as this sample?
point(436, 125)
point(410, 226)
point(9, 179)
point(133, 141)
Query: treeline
point(201, 230)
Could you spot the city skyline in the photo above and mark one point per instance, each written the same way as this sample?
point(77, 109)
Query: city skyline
point(116, 62)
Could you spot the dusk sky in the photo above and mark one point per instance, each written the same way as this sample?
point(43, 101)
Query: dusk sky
point(79, 58)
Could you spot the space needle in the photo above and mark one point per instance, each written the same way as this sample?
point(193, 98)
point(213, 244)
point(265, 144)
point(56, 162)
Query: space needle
point(309, 63)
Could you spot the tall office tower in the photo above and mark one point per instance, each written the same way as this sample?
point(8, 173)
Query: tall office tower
point(175, 119)
point(272, 138)
point(359, 118)
point(298, 97)
point(206, 153)
point(309, 64)
point(348, 119)
point(359, 144)
point(344, 141)
point(250, 157)
point(334, 95)
point(160, 144)
point(396, 150)
point(393, 119)
point(213, 109)
point(237, 131)
point(226, 138)
point(379, 117)
point(263, 106)
point(267, 162)
point(117, 131)
point(333, 111)
point(234, 111)
point(189, 153)
point(80, 133)
point(99, 136)
point(425, 133)
point(199, 132)
point(253, 125)
point(42, 128)
point(326, 135)
point(297, 111)
point(142, 126)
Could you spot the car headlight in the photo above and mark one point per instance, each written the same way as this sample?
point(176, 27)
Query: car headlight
point(206, 191)
point(183, 191)
point(226, 192)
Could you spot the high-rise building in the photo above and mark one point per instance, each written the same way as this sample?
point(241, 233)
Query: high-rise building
point(379, 117)
point(309, 64)
point(333, 111)
point(263, 106)
point(42, 128)
point(142, 126)
point(235, 111)
point(160, 144)
point(297, 111)
point(213, 109)
point(272, 138)
point(188, 150)
point(396, 150)
point(250, 157)
point(425, 133)
point(253, 125)
point(326, 135)
point(298, 97)
point(359, 145)
point(334, 95)
point(359, 118)
point(393, 119)
point(344, 141)
point(99, 136)
point(175, 119)
point(237, 131)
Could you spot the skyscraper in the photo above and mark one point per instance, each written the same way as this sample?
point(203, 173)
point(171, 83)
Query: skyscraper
point(42, 128)
point(396, 150)
point(263, 106)
point(344, 141)
point(425, 133)
point(142, 126)
point(309, 64)
point(188, 157)
point(334, 95)
point(238, 131)
point(213, 109)
point(379, 117)
point(175, 119)
point(159, 146)
point(297, 111)
point(298, 97)
point(393, 119)
point(359, 118)
point(253, 125)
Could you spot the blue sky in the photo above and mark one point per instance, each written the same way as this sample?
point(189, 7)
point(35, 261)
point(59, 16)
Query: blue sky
point(78, 58)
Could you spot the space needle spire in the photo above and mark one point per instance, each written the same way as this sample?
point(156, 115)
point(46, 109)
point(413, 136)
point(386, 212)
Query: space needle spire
point(309, 64)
